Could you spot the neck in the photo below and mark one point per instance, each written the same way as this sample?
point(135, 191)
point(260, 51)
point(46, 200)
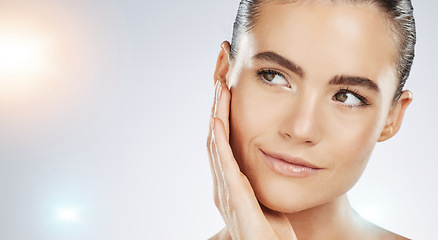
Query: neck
point(332, 220)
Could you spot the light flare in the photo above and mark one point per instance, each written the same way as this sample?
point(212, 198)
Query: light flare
point(68, 214)
point(23, 57)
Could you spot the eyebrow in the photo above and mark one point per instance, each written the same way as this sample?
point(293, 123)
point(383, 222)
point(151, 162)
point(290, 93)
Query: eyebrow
point(271, 56)
point(354, 81)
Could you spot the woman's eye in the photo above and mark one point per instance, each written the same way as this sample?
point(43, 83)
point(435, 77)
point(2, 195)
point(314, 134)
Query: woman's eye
point(273, 78)
point(350, 98)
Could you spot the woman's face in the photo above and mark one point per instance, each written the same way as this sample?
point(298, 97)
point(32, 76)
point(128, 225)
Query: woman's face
point(312, 86)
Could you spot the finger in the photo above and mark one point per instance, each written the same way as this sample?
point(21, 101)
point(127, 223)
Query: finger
point(222, 193)
point(241, 209)
point(225, 158)
point(210, 139)
point(213, 152)
point(222, 106)
point(213, 111)
point(217, 91)
point(211, 156)
point(279, 223)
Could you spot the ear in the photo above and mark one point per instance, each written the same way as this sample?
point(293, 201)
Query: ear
point(223, 63)
point(395, 117)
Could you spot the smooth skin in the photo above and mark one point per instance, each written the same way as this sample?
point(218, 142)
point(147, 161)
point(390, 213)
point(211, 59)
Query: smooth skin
point(302, 112)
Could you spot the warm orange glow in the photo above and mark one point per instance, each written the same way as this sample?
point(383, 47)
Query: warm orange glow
point(23, 57)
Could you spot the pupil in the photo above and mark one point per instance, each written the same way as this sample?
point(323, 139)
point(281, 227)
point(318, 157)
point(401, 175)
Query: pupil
point(342, 97)
point(269, 76)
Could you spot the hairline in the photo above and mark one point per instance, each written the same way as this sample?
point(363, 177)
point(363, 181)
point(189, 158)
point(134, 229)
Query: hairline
point(391, 25)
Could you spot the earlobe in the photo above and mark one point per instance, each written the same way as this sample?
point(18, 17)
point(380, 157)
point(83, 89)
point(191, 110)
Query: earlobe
point(395, 117)
point(223, 63)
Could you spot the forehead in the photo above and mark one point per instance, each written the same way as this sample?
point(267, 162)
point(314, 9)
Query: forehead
point(325, 37)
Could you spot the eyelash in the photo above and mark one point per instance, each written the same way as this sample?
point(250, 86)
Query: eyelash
point(270, 71)
point(363, 100)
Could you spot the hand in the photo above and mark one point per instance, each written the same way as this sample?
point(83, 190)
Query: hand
point(233, 194)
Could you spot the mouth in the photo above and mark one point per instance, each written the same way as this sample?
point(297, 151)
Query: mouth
point(289, 166)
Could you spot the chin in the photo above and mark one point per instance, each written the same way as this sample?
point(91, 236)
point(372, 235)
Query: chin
point(285, 195)
point(292, 203)
point(282, 207)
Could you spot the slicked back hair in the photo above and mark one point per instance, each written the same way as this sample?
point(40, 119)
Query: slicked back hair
point(399, 12)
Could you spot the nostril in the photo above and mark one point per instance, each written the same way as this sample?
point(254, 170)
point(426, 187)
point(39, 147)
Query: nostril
point(287, 135)
point(306, 139)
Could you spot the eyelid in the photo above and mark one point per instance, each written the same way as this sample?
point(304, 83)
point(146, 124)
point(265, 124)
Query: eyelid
point(285, 76)
point(364, 100)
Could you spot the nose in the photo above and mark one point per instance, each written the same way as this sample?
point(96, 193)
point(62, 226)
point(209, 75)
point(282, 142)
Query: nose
point(302, 121)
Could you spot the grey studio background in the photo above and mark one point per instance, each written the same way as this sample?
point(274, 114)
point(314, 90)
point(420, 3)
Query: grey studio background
point(103, 137)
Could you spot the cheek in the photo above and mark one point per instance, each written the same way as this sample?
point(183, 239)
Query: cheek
point(347, 140)
point(254, 117)
point(350, 144)
point(249, 118)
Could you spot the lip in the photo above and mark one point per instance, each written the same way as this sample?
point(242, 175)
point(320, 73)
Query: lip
point(289, 166)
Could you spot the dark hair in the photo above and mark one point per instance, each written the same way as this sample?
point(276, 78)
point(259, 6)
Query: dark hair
point(400, 12)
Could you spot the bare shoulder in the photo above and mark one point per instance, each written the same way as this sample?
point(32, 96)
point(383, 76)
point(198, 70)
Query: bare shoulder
point(388, 235)
point(372, 231)
point(221, 235)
